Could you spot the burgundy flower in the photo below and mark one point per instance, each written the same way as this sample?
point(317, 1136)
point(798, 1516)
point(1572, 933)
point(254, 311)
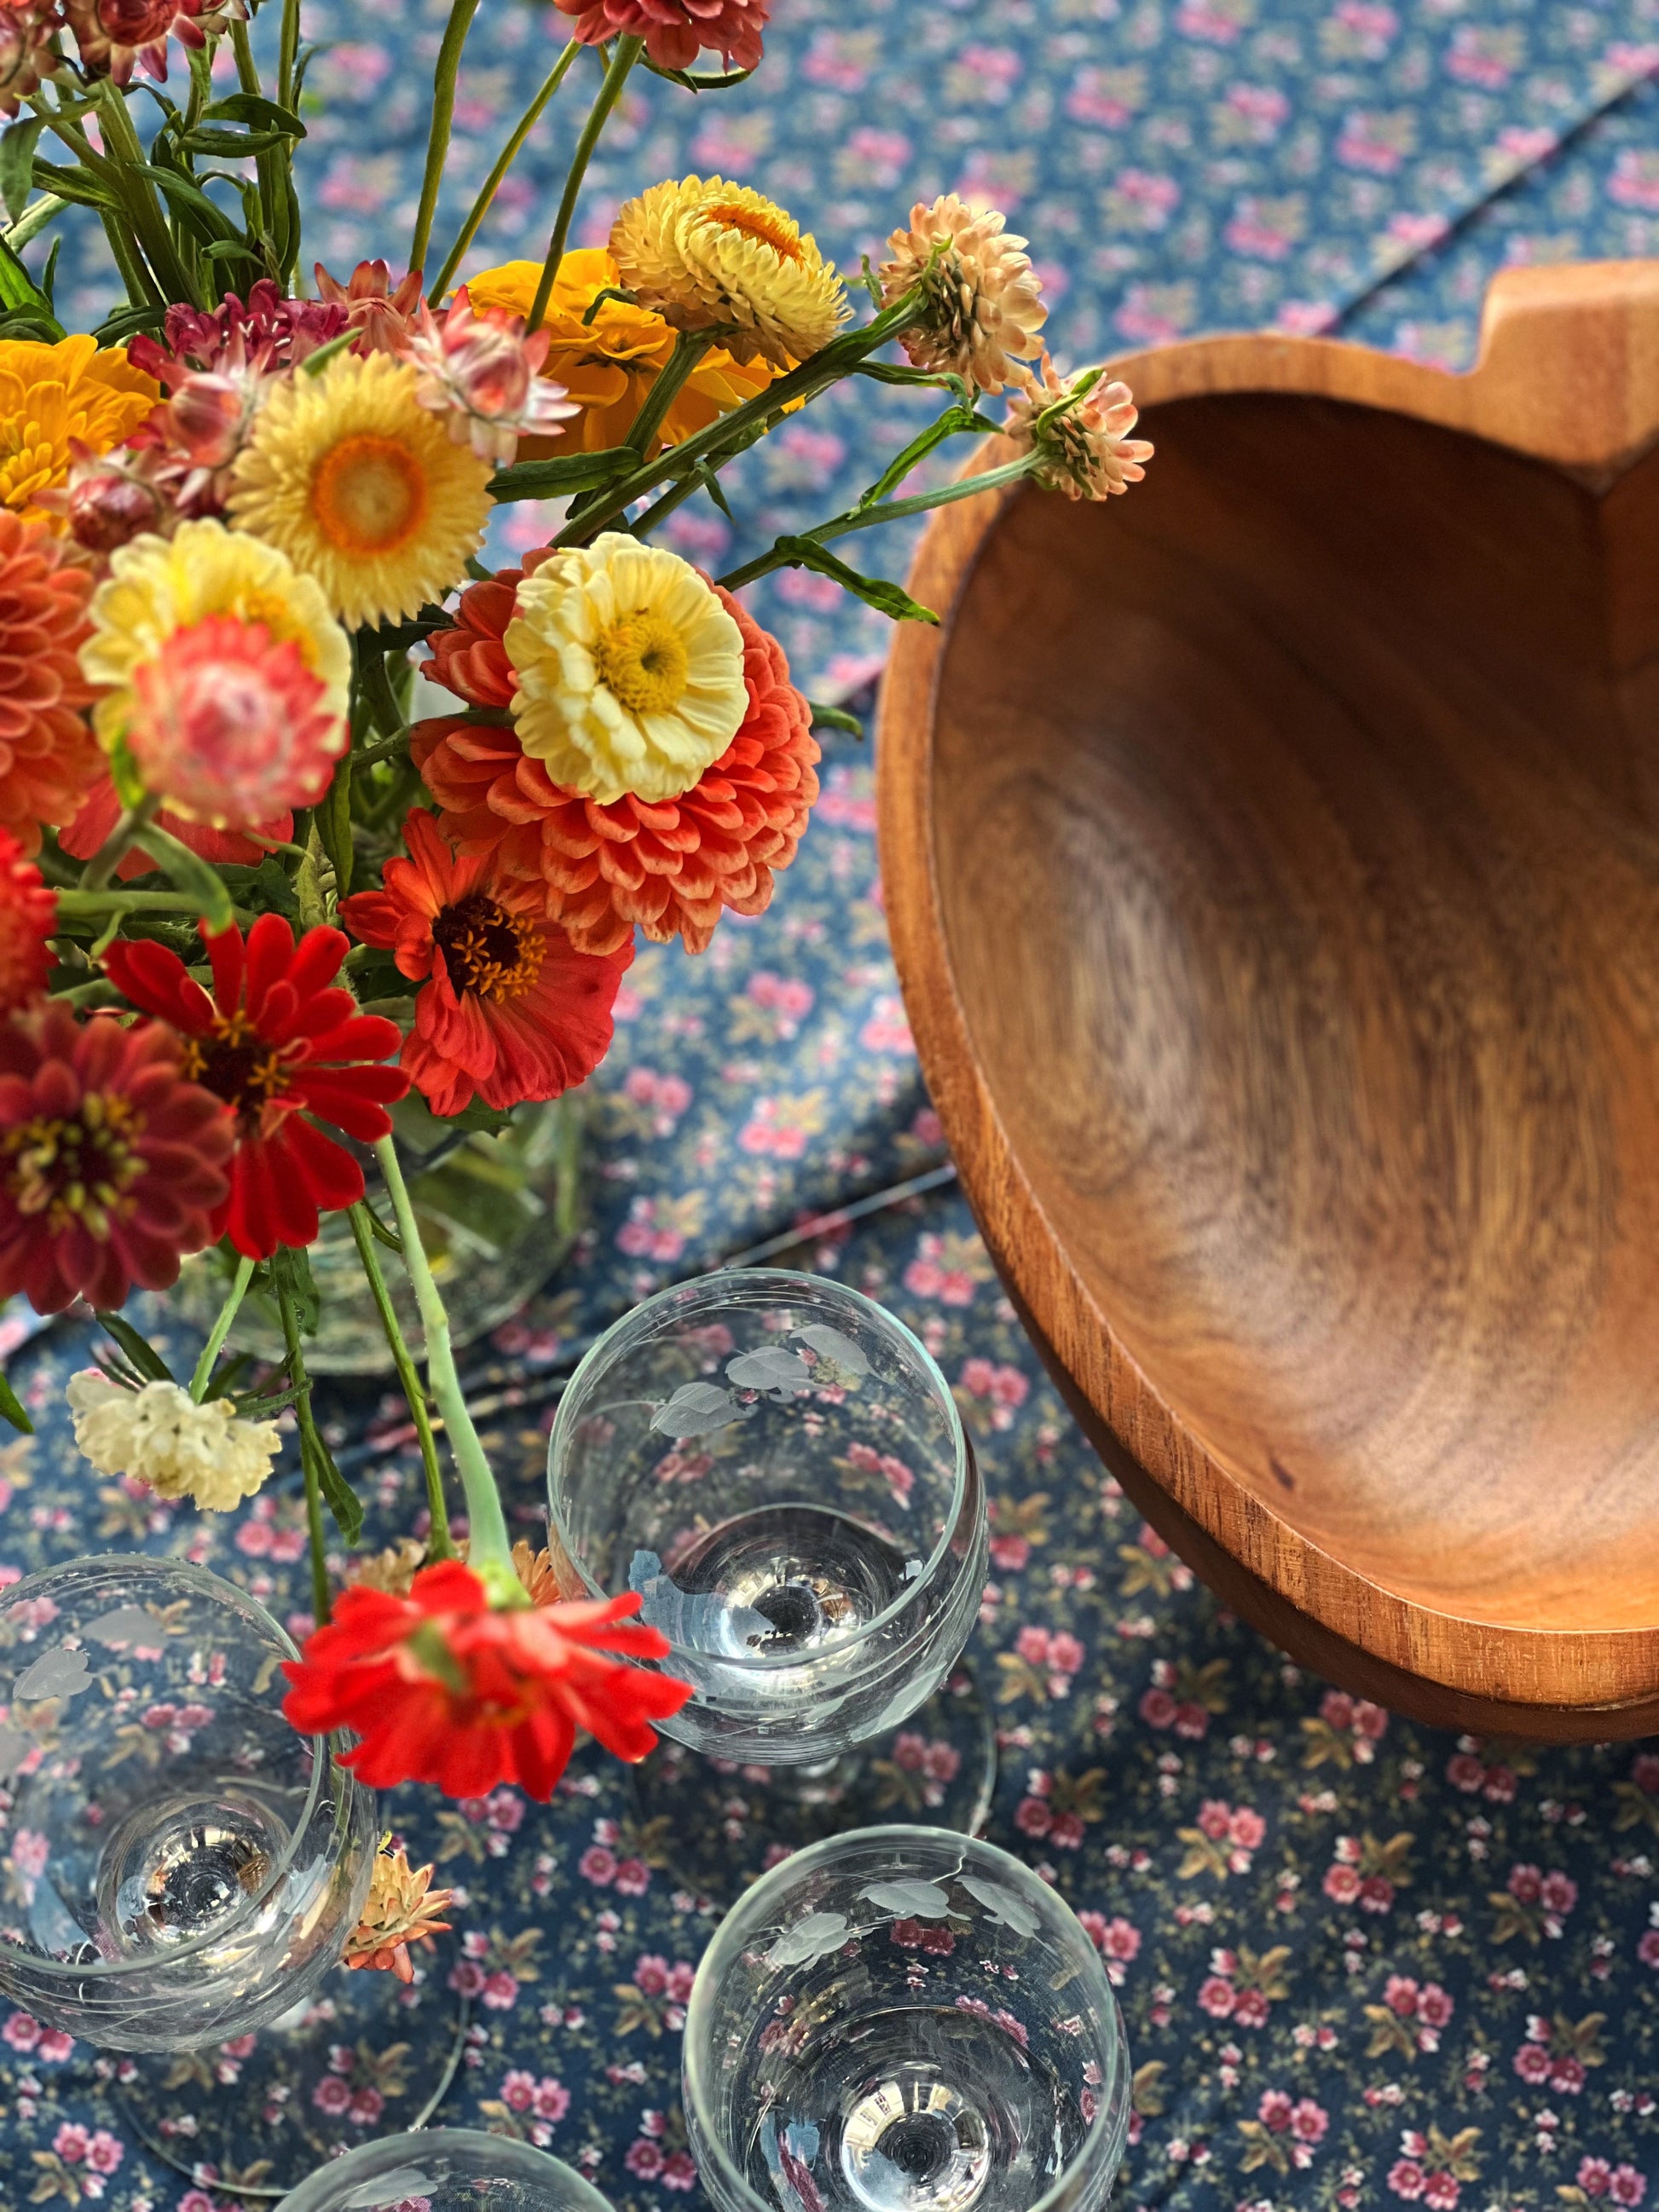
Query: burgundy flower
point(111, 1164)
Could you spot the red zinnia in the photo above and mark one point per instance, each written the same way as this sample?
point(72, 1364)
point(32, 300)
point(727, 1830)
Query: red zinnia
point(28, 915)
point(671, 868)
point(284, 1051)
point(111, 1163)
point(512, 1011)
point(441, 1689)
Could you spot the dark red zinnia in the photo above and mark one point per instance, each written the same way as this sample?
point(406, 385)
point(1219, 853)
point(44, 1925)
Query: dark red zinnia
point(441, 1689)
point(111, 1163)
point(284, 1051)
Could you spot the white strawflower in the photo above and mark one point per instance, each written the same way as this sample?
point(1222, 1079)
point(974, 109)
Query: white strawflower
point(161, 1436)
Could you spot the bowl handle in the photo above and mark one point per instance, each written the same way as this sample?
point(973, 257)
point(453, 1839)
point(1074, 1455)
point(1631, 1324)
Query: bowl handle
point(1573, 344)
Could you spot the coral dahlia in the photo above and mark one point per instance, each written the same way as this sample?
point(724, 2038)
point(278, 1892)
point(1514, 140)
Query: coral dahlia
point(510, 1011)
point(675, 31)
point(670, 868)
point(112, 1162)
point(981, 297)
point(284, 1051)
point(48, 756)
point(53, 396)
point(441, 1689)
point(28, 915)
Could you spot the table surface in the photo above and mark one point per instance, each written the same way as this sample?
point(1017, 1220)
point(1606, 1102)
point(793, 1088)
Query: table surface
point(1361, 1963)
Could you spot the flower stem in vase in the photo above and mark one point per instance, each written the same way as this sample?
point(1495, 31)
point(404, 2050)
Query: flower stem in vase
point(439, 1544)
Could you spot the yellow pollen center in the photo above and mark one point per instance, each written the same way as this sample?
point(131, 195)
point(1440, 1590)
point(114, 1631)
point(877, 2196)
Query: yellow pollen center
point(641, 662)
point(78, 1170)
point(487, 950)
point(760, 223)
point(368, 494)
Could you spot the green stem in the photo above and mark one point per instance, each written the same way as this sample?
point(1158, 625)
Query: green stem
point(216, 1343)
point(149, 223)
point(288, 53)
point(490, 1548)
point(310, 1444)
point(443, 110)
point(892, 510)
point(119, 843)
point(623, 55)
point(440, 1546)
point(75, 903)
point(492, 183)
point(688, 349)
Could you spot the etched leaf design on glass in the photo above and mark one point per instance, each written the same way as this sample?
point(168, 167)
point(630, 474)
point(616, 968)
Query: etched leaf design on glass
point(911, 1900)
point(771, 1369)
point(815, 1937)
point(829, 1344)
point(1002, 1904)
point(15, 1745)
point(55, 1673)
point(127, 1626)
point(696, 1409)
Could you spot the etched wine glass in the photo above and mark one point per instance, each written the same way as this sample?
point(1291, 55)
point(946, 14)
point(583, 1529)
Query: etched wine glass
point(184, 1866)
point(445, 2170)
point(903, 2020)
point(778, 1468)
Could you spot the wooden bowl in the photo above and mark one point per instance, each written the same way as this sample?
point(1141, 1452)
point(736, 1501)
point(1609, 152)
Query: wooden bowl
point(1272, 858)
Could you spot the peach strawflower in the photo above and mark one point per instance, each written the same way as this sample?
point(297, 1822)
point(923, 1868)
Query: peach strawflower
point(1080, 425)
point(381, 314)
point(28, 915)
point(670, 869)
point(675, 30)
point(479, 376)
point(52, 395)
point(230, 727)
point(608, 365)
point(28, 33)
point(708, 254)
point(983, 299)
point(401, 1908)
point(48, 756)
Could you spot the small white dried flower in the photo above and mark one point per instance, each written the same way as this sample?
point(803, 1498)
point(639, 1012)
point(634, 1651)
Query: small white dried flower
point(983, 299)
point(161, 1436)
point(1080, 427)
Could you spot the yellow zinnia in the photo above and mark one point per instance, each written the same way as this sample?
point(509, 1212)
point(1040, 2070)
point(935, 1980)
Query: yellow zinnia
point(361, 488)
point(51, 393)
point(159, 586)
point(608, 365)
point(705, 252)
point(630, 670)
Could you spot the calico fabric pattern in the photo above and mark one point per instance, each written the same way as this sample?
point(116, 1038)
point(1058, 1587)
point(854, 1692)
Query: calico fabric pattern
point(1363, 1964)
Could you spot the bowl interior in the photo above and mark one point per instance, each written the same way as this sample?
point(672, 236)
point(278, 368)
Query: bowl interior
point(1295, 830)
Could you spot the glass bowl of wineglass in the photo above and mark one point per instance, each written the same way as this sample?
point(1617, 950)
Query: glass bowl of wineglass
point(777, 1466)
point(185, 1867)
point(445, 2170)
point(904, 2021)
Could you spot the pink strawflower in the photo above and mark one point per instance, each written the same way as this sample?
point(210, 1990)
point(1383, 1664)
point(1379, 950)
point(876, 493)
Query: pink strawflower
point(382, 314)
point(480, 375)
point(231, 726)
point(28, 52)
point(675, 31)
point(267, 331)
point(116, 35)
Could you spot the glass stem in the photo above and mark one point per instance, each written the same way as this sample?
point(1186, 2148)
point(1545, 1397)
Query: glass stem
point(439, 1543)
point(215, 1345)
point(492, 183)
point(490, 1548)
point(443, 111)
point(623, 55)
point(301, 1382)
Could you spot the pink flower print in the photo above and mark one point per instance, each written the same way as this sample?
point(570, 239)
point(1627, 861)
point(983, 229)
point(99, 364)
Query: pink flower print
point(1341, 1883)
point(878, 157)
point(679, 2171)
point(886, 1029)
point(1376, 1894)
point(1375, 143)
point(1158, 1708)
point(1219, 23)
point(1406, 2179)
point(517, 2090)
point(1066, 1832)
point(1262, 108)
point(332, 2095)
point(1371, 27)
point(1526, 1883)
point(1106, 96)
point(1560, 1893)
point(633, 1878)
point(1214, 1819)
point(1434, 2006)
point(1532, 2064)
point(1595, 2176)
point(597, 1865)
point(500, 1990)
point(785, 998)
point(1274, 2111)
point(1247, 1828)
point(651, 1974)
point(1065, 1654)
point(1309, 2120)
point(1401, 1996)
point(1634, 182)
point(56, 2045)
point(1648, 1949)
point(1033, 1817)
point(1251, 2009)
point(21, 2031)
point(778, 1129)
point(1486, 57)
point(651, 1231)
point(550, 2100)
point(1626, 2186)
point(367, 2107)
point(930, 1275)
point(71, 2143)
point(665, 1098)
point(848, 800)
point(1259, 230)
point(1217, 1998)
point(1568, 2075)
point(644, 2159)
point(1441, 2191)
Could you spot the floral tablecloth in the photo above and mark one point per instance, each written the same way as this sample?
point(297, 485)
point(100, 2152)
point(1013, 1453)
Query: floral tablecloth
point(1361, 1964)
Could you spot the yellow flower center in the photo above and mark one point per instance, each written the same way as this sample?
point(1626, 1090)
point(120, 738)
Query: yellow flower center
point(236, 1066)
point(369, 494)
point(488, 950)
point(764, 223)
point(78, 1170)
point(641, 662)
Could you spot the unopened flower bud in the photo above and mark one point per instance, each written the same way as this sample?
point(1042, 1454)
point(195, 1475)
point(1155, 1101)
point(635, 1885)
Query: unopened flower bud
point(208, 415)
point(108, 507)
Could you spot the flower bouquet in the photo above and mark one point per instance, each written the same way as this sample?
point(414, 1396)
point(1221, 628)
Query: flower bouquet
point(253, 902)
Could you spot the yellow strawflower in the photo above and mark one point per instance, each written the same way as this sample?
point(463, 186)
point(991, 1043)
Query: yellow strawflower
point(704, 253)
point(50, 394)
point(361, 487)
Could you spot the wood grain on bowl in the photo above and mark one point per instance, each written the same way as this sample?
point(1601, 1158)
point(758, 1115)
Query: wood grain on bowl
point(1272, 858)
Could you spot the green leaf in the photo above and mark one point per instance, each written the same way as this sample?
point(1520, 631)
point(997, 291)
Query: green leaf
point(138, 1349)
point(889, 600)
point(18, 289)
point(232, 145)
point(125, 320)
point(834, 718)
point(189, 197)
point(192, 875)
point(17, 146)
point(266, 887)
point(260, 115)
point(570, 472)
point(340, 1497)
point(478, 1117)
point(290, 1269)
point(11, 1407)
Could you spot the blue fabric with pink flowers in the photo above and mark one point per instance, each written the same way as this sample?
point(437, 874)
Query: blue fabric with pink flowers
point(1363, 1964)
